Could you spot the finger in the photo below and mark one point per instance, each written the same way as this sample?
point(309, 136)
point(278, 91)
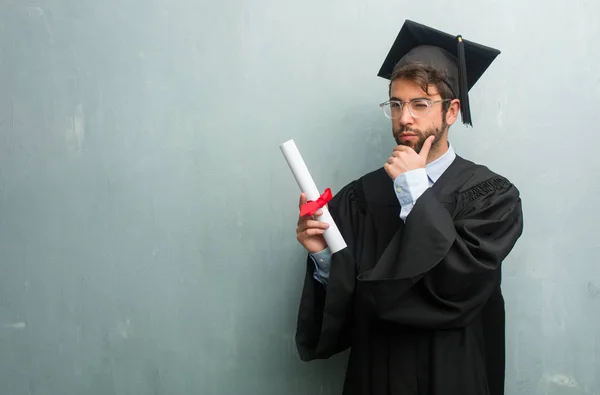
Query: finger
point(317, 224)
point(311, 224)
point(426, 147)
point(308, 233)
point(313, 232)
point(402, 148)
point(388, 168)
point(301, 228)
point(302, 219)
point(302, 199)
point(317, 213)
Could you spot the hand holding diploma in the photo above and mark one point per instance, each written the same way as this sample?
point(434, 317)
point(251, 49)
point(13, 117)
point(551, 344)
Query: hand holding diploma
point(317, 231)
point(310, 231)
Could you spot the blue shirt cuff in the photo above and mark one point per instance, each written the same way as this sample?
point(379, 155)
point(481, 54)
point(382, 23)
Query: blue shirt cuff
point(409, 187)
point(322, 261)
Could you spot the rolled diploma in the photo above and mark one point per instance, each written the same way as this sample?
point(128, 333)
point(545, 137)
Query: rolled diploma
point(332, 235)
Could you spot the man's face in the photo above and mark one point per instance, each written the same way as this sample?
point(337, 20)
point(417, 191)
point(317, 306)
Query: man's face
point(413, 131)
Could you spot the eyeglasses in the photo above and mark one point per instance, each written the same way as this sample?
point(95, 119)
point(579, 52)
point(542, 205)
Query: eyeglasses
point(418, 108)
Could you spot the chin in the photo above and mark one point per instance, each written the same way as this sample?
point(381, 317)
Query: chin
point(406, 143)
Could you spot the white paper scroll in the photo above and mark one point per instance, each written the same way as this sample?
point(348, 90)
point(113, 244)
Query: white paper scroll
point(332, 235)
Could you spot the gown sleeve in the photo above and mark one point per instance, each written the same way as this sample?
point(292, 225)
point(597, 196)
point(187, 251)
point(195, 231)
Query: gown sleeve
point(324, 324)
point(440, 269)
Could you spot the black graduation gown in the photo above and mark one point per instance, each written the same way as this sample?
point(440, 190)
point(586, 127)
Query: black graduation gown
point(419, 303)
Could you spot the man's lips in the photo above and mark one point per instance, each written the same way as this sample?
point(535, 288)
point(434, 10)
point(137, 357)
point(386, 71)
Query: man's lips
point(407, 136)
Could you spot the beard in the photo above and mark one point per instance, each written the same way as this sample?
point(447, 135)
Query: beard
point(421, 135)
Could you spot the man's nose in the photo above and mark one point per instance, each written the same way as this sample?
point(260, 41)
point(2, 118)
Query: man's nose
point(405, 117)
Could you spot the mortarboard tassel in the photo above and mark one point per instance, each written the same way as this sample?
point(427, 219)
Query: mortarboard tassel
point(463, 88)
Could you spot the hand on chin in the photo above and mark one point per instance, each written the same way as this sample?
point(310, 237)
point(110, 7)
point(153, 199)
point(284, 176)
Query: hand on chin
point(404, 158)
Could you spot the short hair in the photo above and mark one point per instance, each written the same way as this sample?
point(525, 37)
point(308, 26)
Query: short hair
point(425, 75)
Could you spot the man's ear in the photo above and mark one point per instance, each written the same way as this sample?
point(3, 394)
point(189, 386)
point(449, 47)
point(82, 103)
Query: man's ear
point(453, 111)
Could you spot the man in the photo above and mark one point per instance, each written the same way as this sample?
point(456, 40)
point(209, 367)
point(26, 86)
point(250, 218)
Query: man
point(416, 293)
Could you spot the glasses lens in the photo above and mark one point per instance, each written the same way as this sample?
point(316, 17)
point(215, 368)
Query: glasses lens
point(419, 108)
point(392, 109)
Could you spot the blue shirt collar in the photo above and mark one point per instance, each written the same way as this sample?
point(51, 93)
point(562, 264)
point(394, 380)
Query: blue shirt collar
point(436, 168)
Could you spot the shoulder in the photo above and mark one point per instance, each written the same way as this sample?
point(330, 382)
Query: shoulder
point(475, 175)
point(475, 182)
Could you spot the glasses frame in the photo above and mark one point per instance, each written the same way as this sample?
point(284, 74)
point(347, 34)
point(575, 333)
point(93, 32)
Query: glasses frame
point(402, 103)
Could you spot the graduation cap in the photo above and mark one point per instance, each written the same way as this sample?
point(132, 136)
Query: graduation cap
point(462, 61)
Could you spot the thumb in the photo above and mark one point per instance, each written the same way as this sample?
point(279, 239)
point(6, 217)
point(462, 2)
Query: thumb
point(424, 153)
point(302, 200)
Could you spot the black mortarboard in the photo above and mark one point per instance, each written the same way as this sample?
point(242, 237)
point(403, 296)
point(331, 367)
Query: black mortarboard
point(462, 61)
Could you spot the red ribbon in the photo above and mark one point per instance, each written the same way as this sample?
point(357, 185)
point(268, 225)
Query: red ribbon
point(312, 206)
